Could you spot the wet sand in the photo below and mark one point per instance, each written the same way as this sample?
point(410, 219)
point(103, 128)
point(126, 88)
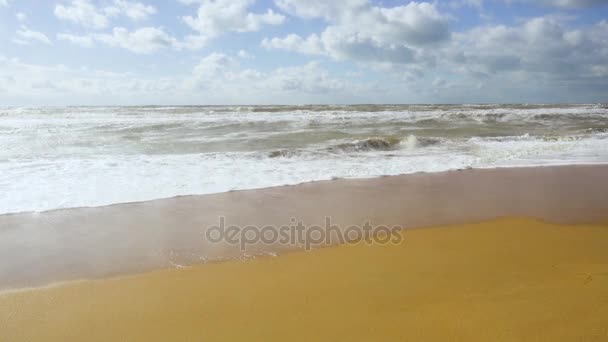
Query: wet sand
point(39, 249)
point(507, 279)
point(503, 280)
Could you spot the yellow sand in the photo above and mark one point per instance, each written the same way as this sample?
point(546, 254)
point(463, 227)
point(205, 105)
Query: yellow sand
point(506, 280)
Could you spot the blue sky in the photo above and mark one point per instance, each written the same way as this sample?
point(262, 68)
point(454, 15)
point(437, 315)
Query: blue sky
point(86, 52)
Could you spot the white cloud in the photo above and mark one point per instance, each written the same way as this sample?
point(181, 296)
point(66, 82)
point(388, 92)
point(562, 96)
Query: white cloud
point(26, 36)
point(221, 75)
point(321, 8)
point(84, 41)
point(361, 32)
point(211, 67)
point(529, 61)
point(215, 79)
point(538, 46)
point(134, 10)
point(509, 62)
point(21, 16)
point(414, 44)
point(143, 40)
point(293, 42)
point(82, 12)
point(309, 78)
point(4, 3)
point(540, 59)
point(87, 14)
point(58, 84)
point(215, 17)
point(245, 55)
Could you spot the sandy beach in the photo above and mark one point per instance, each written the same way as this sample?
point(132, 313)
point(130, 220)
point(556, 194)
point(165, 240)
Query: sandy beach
point(535, 268)
point(507, 280)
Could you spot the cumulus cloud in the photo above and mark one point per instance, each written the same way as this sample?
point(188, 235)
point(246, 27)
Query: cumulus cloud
point(215, 17)
point(292, 42)
point(245, 55)
point(532, 61)
point(213, 65)
point(221, 74)
point(362, 32)
point(26, 36)
point(131, 9)
point(143, 40)
point(426, 61)
point(214, 79)
point(85, 13)
point(413, 42)
point(57, 84)
point(82, 12)
point(539, 45)
point(308, 78)
point(321, 8)
point(84, 41)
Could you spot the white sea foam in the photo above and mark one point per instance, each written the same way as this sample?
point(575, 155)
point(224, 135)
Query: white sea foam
point(90, 156)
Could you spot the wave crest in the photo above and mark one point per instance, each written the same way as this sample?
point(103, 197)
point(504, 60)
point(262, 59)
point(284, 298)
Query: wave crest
point(385, 144)
point(370, 144)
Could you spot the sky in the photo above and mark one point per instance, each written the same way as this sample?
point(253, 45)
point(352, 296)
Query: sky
point(129, 52)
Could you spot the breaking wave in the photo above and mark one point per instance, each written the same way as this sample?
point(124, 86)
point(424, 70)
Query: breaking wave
point(385, 144)
point(179, 150)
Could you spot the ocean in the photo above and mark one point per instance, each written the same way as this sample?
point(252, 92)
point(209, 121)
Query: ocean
point(63, 157)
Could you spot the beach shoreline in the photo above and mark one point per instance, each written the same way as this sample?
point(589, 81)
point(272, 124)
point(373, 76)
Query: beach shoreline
point(320, 181)
point(88, 243)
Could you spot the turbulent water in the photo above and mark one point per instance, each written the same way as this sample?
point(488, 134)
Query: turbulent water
point(88, 156)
